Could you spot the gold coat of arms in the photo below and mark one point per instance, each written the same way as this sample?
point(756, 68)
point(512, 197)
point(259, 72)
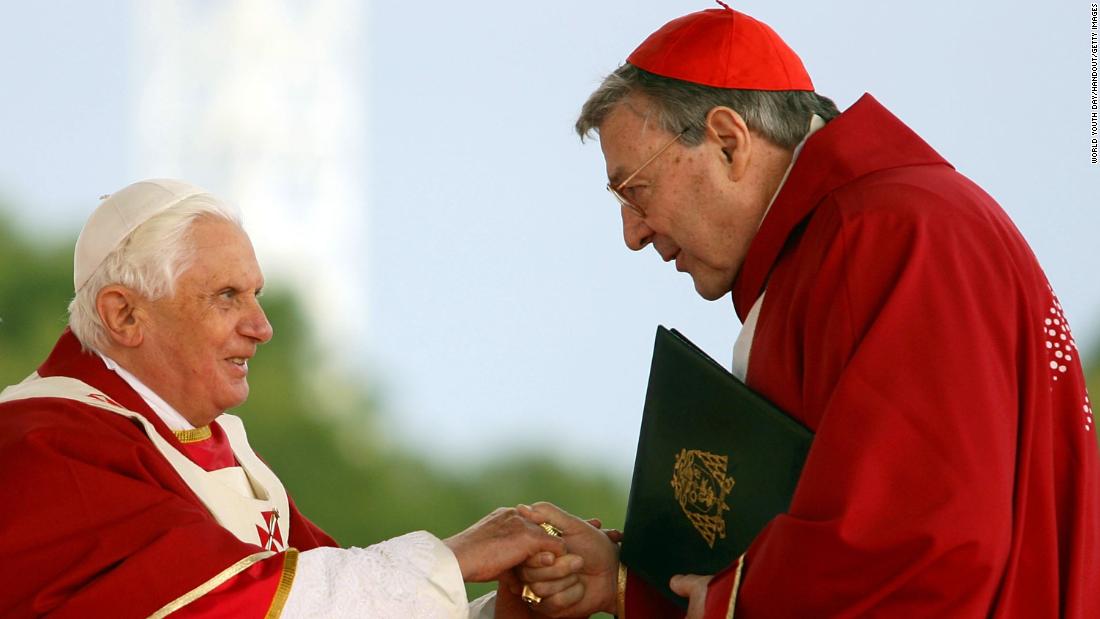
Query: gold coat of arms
point(700, 484)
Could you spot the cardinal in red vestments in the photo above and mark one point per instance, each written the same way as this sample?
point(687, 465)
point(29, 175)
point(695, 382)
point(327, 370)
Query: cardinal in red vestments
point(890, 306)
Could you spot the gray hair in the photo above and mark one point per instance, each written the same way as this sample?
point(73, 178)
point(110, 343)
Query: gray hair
point(782, 116)
point(149, 261)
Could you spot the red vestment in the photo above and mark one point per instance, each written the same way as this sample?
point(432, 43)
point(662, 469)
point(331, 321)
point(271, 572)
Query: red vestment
point(954, 470)
point(97, 523)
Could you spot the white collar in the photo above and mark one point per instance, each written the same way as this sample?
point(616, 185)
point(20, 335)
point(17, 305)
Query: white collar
point(816, 122)
point(164, 410)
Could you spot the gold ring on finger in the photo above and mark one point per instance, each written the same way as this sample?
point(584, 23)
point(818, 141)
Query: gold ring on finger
point(550, 529)
point(529, 596)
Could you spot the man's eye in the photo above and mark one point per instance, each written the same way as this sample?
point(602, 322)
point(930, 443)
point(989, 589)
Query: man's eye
point(228, 294)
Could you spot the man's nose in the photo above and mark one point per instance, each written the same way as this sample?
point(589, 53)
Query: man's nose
point(636, 233)
point(255, 324)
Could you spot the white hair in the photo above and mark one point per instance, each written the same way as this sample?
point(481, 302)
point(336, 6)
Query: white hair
point(149, 261)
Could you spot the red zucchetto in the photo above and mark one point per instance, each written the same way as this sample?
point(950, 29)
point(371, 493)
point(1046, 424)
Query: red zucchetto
point(722, 48)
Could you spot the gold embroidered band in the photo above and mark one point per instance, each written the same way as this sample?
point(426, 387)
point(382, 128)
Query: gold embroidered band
point(193, 436)
point(290, 565)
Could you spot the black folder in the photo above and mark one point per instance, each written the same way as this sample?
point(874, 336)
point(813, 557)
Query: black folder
point(715, 463)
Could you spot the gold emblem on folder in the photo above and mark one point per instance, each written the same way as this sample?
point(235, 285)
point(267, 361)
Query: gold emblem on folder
point(700, 483)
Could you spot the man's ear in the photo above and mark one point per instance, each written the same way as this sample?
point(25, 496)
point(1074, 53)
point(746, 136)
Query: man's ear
point(117, 307)
point(731, 135)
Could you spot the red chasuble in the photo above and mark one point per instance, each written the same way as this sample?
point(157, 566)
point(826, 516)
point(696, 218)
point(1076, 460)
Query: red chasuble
point(97, 523)
point(954, 472)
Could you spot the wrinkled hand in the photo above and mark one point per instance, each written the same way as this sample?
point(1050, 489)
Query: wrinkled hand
point(509, 604)
point(562, 593)
point(501, 541)
point(694, 588)
point(597, 578)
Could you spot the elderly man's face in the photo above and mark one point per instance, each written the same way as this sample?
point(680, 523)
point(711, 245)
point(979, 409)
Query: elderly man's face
point(197, 342)
point(695, 214)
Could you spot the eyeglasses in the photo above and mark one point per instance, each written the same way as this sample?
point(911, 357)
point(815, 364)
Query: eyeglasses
point(617, 189)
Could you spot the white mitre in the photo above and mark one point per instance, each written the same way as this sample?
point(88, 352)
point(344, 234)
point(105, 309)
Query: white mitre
point(118, 215)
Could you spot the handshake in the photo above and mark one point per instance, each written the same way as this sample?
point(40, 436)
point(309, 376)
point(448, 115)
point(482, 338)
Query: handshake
point(571, 575)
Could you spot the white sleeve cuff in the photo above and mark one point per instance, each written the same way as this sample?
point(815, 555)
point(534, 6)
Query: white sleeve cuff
point(414, 575)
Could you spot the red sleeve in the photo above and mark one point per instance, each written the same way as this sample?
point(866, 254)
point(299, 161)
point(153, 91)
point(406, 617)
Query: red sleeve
point(910, 377)
point(722, 591)
point(260, 591)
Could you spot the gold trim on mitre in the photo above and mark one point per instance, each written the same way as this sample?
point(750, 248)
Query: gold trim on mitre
point(211, 584)
point(194, 435)
point(282, 592)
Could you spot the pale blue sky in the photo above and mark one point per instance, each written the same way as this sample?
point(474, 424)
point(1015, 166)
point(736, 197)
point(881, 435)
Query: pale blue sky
point(504, 312)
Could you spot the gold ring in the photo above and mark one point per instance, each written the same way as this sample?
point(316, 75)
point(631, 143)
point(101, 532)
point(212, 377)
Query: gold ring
point(529, 595)
point(551, 529)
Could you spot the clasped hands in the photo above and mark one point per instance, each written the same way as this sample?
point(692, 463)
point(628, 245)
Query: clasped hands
point(575, 575)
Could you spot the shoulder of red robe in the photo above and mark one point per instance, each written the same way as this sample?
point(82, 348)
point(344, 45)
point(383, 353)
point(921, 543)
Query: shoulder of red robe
point(865, 138)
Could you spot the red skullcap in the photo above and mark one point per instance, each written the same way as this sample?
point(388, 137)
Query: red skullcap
point(722, 48)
